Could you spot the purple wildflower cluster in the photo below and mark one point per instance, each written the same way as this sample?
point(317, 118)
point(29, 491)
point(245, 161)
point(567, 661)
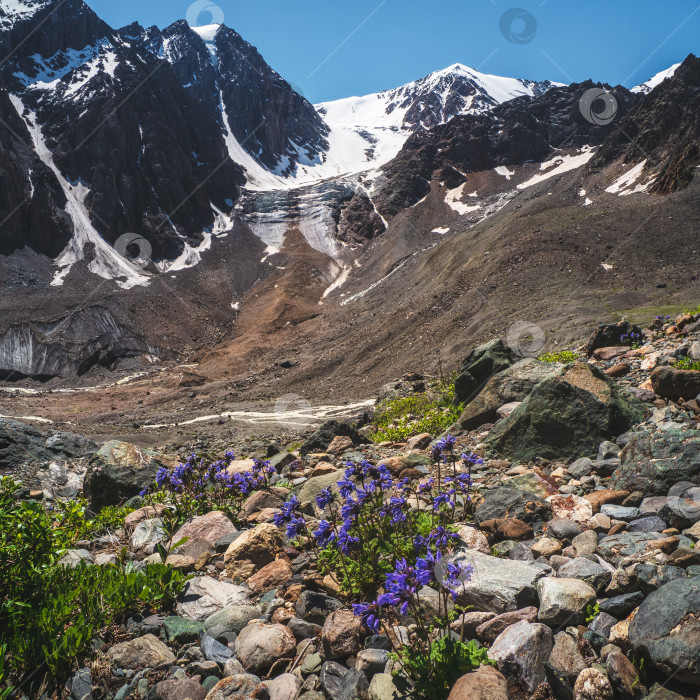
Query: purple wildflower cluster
point(631, 338)
point(198, 486)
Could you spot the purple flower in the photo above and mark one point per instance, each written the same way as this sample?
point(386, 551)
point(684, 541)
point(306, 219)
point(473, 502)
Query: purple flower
point(295, 527)
point(325, 498)
point(369, 612)
point(441, 539)
point(324, 533)
point(346, 541)
point(456, 576)
point(288, 513)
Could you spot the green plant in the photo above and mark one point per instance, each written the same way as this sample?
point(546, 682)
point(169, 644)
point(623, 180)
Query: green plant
point(49, 614)
point(592, 611)
point(447, 660)
point(687, 363)
point(564, 356)
point(432, 412)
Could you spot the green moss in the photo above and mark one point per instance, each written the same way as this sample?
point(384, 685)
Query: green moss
point(564, 356)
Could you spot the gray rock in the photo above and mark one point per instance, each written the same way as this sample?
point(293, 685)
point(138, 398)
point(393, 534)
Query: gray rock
point(302, 629)
point(499, 585)
point(651, 523)
point(594, 574)
point(259, 645)
point(382, 687)
point(508, 502)
point(666, 630)
point(566, 658)
point(75, 557)
point(585, 543)
point(284, 687)
point(331, 677)
point(564, 601)
point(313, 486)
point(592, 684)
point(233, 619)
point(624, 677)
point(222, 544)
point(233, 667)
point(354, 685)
point(614, 548)
point(563, 529)
point(602, 624)
point(622, 605)
point(147, 535)
point(479, 366)
point(653, 462)
point(214, 651)
point(204, 596)
point(315, 607)
point(81, 685)
point(608, 450)
point(580, 468)
point(619, 512)
point(522, 651)
point(371, 661)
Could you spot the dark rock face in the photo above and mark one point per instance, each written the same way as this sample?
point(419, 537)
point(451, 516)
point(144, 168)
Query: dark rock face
point(359, 221)
point(513, 133)
point(24, 444)
point(68, 346)
point(666, 630)
point(654, 462)
point(479, 366)
point(29, 191)
point(565, 416)
point(664, 129)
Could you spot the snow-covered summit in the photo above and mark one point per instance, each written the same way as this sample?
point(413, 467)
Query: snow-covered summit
point(13, 11)
point(650, 84)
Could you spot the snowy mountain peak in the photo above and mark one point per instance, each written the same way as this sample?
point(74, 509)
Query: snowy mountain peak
point(13, 11)
point(207, 32)
point(650, 84)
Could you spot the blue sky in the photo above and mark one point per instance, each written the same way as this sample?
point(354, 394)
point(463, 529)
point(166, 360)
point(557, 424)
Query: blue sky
point(330, 49)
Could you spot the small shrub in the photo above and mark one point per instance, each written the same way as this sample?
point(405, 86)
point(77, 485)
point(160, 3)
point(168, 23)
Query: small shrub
point(687, 363)
point(564, 356)
point(432, 412)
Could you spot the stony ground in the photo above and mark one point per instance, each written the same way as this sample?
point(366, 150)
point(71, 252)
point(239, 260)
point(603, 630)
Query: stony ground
point(586, 583)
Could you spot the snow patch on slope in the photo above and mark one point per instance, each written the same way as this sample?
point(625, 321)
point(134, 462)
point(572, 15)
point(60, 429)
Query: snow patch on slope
point(650, 84)
point(13, 11)
point(564, 164)
point(106, 263)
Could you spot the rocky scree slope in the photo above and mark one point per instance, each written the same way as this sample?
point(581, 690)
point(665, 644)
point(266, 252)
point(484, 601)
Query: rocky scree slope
point(577, 574)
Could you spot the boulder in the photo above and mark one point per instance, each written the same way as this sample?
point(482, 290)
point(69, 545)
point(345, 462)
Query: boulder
point(653, 463)
point(591, 572)
point(315, 607)
point(324, 436)
point(180, 689)
point(272, 575)
point(209, 527)
point(614, 548)
point(143, 652)
point(147, 535)
point(564, 416)
point(592, 684)
point(507, 529)
point(479, 366)
point(566, 658)
point(609, 335)
point(666, 630)
point(564, 601)
point(486, 683)
point(284, 687)
point(675, 384)
point(231, 619)
point(252, 550)
point(313, 486)
point(203, 596)
point(624, 677)
point(22, 444)
point(341, 635)
point(242, 686)
point(504, 502)
point(499, 585)
point(487, 632)
point(511, 385)
point(522, 650)
point(118, 471)
point(259, 645)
